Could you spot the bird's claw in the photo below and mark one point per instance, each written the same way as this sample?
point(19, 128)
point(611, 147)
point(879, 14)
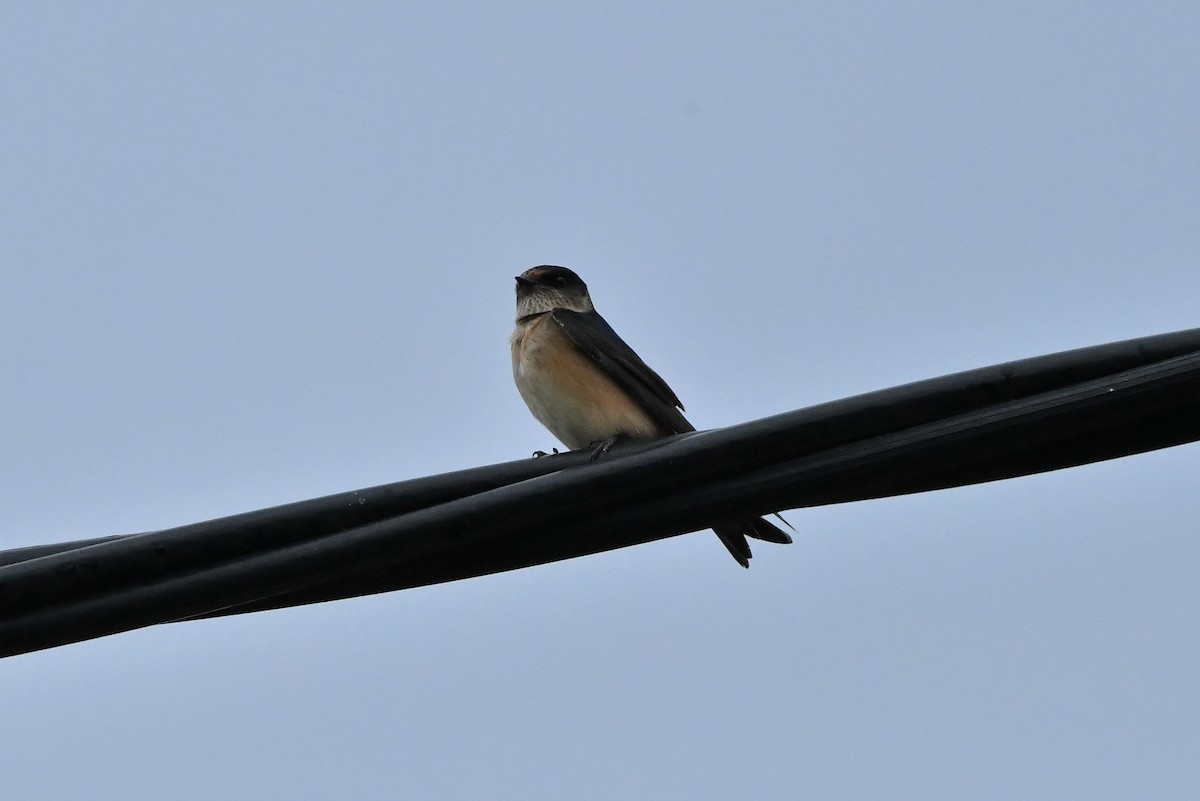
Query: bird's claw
point(540, 454)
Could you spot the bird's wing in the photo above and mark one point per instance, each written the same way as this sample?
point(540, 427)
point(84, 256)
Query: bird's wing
point(593, 336)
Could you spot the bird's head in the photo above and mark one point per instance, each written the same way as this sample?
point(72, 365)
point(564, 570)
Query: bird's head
point(544, 288)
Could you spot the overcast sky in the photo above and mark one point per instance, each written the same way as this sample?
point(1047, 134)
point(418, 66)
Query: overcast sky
point(253, 253)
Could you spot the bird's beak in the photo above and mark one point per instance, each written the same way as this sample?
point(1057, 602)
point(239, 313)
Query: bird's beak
point(523, 281)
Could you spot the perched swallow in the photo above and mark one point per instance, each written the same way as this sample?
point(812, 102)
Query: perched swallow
point(589, 388)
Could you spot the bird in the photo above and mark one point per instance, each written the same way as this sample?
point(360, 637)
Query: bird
point(590, 389)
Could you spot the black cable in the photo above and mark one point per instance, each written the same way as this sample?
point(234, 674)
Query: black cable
point(1007, 420)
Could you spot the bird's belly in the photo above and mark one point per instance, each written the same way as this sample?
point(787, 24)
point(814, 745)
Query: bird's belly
point(570, 395)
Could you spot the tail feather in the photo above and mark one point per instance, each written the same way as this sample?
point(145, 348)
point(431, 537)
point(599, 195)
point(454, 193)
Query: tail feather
point(733, 536)
point(764, 530)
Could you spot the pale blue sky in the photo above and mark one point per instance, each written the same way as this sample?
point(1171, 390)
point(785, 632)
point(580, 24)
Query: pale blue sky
point(254, 253)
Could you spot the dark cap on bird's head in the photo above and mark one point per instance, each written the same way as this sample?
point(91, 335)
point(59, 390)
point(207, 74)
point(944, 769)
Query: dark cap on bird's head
point(546, 287)
point(549, 275)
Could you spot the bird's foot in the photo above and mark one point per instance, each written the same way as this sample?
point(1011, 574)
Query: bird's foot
point(540, 454)
point(601, 447)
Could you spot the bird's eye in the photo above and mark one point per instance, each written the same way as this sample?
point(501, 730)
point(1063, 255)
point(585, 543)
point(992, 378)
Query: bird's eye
point(561, 280)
